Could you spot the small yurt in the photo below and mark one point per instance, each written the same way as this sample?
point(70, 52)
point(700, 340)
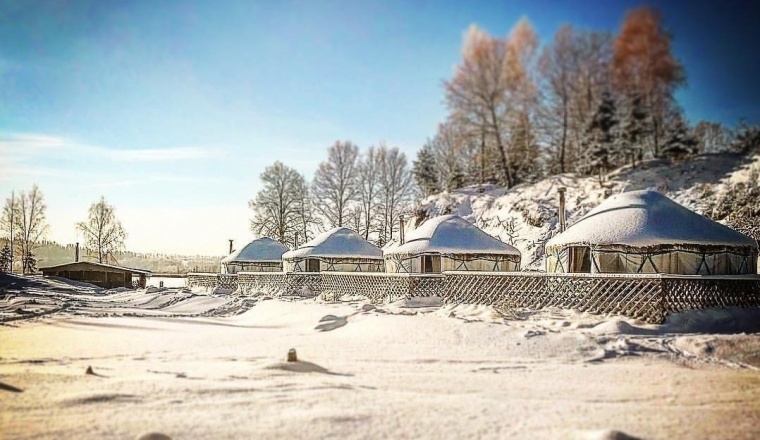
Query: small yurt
point(337, 250)
point(260, 255)
point(450, 242)
point(646, 232)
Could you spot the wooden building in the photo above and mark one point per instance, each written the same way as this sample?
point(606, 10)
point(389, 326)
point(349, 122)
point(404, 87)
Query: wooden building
point(261, 255)
point(337, 250)
point(104, 275)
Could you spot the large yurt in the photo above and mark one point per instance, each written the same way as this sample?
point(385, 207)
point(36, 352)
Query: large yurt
point(450, 242)
point(338, 250)
point(646, 232)
point(260, 255)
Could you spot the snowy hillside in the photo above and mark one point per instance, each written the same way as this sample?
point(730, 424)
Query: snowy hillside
point(525, 216)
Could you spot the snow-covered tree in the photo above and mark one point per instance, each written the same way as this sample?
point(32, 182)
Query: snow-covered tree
point(279, 206)
point(336, 183)
point(633, 124)
point(424, 171)
point(680, 142)
point(747, 139)
point(102, 231)
point(601, 135)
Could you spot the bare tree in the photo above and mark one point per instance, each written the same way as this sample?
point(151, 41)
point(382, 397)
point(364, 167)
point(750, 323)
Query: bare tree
point(395, 190)
point(102, 231)
point(278, 208)
point(31, 223)
point(307, 220)
point(336, 183)
point(369, 183)
point(8, 222)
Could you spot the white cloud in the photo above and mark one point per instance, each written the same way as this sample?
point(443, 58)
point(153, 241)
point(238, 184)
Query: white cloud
point(26, 146)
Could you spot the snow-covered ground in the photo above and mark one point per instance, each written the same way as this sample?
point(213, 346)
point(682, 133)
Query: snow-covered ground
point(525, 216)
point(193, 364)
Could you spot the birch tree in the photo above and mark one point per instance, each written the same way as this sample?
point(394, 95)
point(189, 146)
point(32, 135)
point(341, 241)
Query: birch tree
point(102, 231)
point(8, 223)
point(31, 223)
point(395, 190)
point(336, 183)
point(278, 208)
point(369, 185)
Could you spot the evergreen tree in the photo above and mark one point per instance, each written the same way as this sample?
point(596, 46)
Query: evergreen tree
point(30, 262)
point(601, 136)
point(632, 130)
point(425, 172)
point(5, 259)
point(680, 142)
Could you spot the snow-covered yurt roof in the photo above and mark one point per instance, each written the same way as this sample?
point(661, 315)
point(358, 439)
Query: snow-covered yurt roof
point(260, 250)
point(450, 234)
point(647, 218)
point(337, 243)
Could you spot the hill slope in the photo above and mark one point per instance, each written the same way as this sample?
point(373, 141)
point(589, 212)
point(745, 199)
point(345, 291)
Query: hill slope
point(525, 216)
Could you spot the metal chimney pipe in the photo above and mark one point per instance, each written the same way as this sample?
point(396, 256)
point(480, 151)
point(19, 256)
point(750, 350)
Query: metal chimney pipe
point(401, 229)
point(562, 220)
point(295, 241)
point(230, 246)
point(76, 253)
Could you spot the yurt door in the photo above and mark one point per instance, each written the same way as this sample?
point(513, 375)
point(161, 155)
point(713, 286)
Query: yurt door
point(580, 259)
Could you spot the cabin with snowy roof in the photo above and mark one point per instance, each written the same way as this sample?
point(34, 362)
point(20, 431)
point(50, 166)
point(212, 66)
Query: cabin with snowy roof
point(447, 243)
point(646, 232)
point(260, 255)
point(337, 250)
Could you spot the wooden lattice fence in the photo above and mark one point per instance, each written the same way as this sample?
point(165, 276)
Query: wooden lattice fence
point(304, 284)
point(634, 296)
point(379, 287)
point(685, 293)
point(267, 283)
point(212, 280)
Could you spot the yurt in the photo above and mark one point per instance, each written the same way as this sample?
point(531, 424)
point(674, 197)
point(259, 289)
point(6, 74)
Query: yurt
point(260, 255)
point(450, 242)
point(338, 250)
point(646, 232)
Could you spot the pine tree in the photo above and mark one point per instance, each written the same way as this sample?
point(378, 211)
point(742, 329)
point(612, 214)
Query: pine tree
point(632, 129)
point(30, 262)
point(601, 136)
point(5, 259)
point(680, 142)
point(425, 173)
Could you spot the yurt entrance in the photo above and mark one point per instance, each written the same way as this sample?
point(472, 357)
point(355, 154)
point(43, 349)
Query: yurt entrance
point(580, 259)
point(312, 265)
point(430, 264)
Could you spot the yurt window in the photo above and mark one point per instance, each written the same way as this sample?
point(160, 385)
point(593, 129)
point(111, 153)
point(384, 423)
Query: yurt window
point(312, 265)
point(580, 259)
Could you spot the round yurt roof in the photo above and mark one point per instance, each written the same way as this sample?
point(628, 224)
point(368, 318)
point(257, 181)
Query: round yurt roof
point(647, 219)
point(337, 243)
point(260, 250)
point(450, 234)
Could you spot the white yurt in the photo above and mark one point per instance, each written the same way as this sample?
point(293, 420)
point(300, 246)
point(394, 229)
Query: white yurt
point(337, 250)
point(450, 242)
point(260, 255)
point(646, 232)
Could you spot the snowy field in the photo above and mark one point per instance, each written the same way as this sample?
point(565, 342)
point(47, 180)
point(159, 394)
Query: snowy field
point(194, 364)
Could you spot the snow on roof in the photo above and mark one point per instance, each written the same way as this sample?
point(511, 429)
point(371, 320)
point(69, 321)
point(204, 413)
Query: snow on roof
point(451, 234)
point(337, 243)
point(260, 250)
point(647, 218)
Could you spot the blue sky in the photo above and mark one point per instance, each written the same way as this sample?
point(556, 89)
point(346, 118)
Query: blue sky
point(172, 109)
